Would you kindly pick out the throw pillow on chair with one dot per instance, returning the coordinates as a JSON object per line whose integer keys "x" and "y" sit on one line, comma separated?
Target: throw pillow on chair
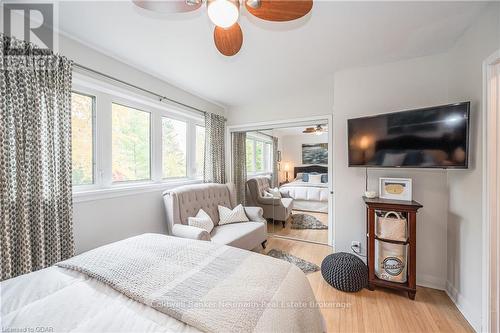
{"x": 201, "y": 220}
{"x": 237, "y": 214}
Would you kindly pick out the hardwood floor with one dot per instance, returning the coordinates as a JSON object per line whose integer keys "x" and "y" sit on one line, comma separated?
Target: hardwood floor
{"x": 315, "y": 235}
{"x": 381, "y": 310}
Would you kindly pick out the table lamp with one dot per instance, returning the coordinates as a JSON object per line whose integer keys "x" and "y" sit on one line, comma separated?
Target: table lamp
{"x": 286, "y": 167}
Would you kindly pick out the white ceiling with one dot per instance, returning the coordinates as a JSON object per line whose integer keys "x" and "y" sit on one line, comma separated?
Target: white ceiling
{"x": 276, "y": 58}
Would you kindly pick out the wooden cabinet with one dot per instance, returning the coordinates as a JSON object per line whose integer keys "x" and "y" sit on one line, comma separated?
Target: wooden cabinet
{"x": 409, "y": 210}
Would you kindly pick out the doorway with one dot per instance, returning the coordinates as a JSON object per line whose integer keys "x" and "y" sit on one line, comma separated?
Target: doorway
{"x": 491, "y": 186}
{"x": 288, "y": 174}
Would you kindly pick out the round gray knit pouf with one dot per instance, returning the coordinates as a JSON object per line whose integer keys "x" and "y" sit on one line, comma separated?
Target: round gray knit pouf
{"x": 345, "y": 271}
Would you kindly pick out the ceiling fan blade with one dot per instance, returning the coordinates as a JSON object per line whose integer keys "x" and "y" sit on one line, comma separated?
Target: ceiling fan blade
{"x": 228, "y": 41}
{"x": 169, "y": 6}
{"x": 280, "y": 10}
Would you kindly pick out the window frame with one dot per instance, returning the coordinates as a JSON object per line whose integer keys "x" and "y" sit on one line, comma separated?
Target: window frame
{"x": 266, "y": 164}
{"x": 251, "y": 172}
{"x": 83, "y": 187}
{"x": 268, "y": 156}
{"x": 193, "y": 150}
{"x": 105, "y": 94}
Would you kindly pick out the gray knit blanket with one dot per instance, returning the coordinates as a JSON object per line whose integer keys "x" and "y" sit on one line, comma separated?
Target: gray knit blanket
{"x": 213, "y": 288}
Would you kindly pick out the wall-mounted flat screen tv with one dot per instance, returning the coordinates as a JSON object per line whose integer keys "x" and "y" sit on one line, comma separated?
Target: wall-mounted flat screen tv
{"x": 435, "y": 137}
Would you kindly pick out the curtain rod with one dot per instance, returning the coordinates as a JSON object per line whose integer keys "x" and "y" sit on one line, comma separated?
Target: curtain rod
{"x": 161, "y": 98}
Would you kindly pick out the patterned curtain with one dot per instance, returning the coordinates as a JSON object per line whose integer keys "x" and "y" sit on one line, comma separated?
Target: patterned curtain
{"x": 35, "y": 160}
{"x": 275, "y": 180}
{"x": 214, "y": 170}
{"x": 239, "y": 154}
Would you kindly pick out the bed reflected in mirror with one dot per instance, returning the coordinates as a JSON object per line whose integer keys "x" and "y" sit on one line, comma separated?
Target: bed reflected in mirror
{"x": 309, "y": 192}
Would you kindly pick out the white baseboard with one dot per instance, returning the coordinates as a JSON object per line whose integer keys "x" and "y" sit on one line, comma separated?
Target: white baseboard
{"x": 430, "y": 281}
{"x": 463, "y": 306}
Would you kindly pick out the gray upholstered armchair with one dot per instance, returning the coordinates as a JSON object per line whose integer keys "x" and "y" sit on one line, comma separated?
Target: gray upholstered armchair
{"x": 274, "y": 208}
{"x": 185, "y": 201}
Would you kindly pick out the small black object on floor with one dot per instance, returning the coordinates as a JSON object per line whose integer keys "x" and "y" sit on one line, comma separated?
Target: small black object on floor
{"x": 345, "y": 271}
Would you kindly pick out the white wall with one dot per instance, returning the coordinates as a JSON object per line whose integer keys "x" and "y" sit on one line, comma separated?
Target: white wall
{"x": 103, "y": 221}
{"x": 99, "y": 222}
{"x": 465, "y": 187}
{"x": 313, "y": 100}
{"x": 364, "y": 91}
{"x": 379, "y": 89}
{"x": 89, "y": 57}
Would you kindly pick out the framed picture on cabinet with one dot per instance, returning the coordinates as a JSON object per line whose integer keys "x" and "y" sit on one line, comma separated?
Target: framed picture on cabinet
{"x": 395, "y": 189}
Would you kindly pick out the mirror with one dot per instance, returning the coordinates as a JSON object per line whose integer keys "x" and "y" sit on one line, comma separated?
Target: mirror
{"x": 285, "y": 172}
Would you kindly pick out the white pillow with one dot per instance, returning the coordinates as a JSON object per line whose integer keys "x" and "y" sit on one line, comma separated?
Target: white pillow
{"x": 275, "y": 192}
{"x": 315, "y": 179}
{"x": 236, "y": 215}
{"x": 267, "y": 195}
{"x": 201, "y": 220}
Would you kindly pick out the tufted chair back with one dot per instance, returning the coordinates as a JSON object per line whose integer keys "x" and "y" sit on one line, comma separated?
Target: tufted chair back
{"x": 185, "y": 201}
{"x": 256, "y": 187}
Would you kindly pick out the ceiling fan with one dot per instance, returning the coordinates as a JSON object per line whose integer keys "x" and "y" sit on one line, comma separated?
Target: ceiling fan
{"x": 228, "y": 36}
{"x": 318, "y": 130}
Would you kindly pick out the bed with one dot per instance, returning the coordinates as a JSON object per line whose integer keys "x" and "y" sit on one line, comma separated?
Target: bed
{"x": 307, "y": 196}
{"x": 158, "y": 283}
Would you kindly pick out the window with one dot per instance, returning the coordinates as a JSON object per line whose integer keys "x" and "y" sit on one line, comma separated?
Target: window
{"x": 82, "y": 137}
{"x": 268, "y": 156}
{"x": 258, "y": 156}
{"x": 250, "y": 152}
{"x": 174, "y": 148}
{"x": 130, "y": 144}
{"x": 125, "y": 144}
{"x": 200, "y": 151}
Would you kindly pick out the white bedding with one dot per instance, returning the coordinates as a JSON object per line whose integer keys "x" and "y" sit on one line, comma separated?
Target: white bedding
{"x": 190, "y": 280}
{"x": 58, "y": 299}
{"x": 68, "y": 301}
{"x": 307, "y": 196}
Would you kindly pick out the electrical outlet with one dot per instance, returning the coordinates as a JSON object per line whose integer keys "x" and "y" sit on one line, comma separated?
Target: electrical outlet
{"x": 356, "y": 246}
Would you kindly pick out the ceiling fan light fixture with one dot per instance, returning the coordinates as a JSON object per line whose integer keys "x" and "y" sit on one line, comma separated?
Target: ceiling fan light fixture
{"x": 318, "y": 130}
{"x": 253, "y": 3}
{"x": 223, "y": 13}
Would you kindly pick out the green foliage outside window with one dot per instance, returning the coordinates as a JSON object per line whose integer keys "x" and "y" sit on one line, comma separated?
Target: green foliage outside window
{"x": 200, "y": 150}
{"x": 250, "y": 155}
{"x": 130, "y": 144}
{"x": 174, "y": 148}
{"x": 82, "y": 138}
{"x": 259, "y": 156}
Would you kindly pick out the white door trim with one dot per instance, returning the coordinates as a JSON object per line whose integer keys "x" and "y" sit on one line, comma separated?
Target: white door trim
{"x": 491, "y": 196}
{"x": 293, "y": 122}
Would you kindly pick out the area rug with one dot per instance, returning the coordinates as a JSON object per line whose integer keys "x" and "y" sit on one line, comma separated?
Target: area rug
{"x": 304, "y": 265}
{"x": 306, "y": 221}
